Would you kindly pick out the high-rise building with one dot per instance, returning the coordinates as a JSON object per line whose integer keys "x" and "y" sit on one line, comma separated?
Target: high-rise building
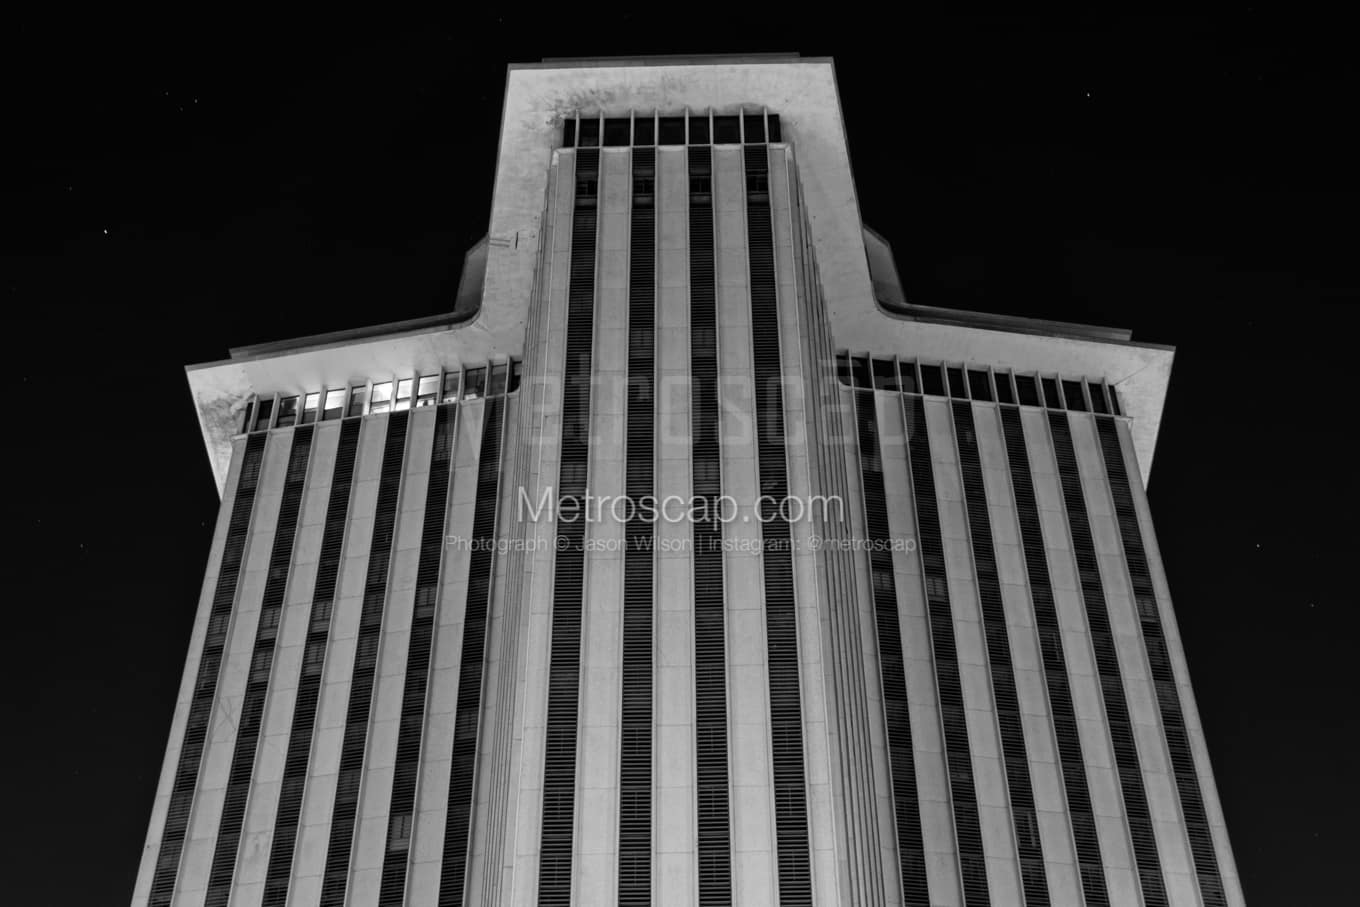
{"x": 899, "y": 633}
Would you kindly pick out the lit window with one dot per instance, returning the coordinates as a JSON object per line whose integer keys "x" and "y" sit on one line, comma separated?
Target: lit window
{"x": 452, "y": 380}
{"x": 476, "y": 384}
{"x": 428, "y": 390}
{"x": 381, "y": 399}
{"x": 310, "y": 404}
{"x": 335, "y": 404}
{"x": 403, "y": 401}
{"x": 936, "y": 587}
{"x": 259, "y": 665}
{"x": 288, "y": 408}
{"x": 262, "y": 413}
{"x": 357, "y": 397}
{"x": 497, "y": 386}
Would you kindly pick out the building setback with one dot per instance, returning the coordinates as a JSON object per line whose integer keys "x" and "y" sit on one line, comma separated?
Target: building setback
{"x": 957, "y": 681}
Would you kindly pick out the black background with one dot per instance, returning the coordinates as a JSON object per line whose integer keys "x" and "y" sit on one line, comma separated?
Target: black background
{"x": 174, "y": 188}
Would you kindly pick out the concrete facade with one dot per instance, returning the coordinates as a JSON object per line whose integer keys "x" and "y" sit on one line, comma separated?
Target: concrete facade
{"x": 893, "y": 771}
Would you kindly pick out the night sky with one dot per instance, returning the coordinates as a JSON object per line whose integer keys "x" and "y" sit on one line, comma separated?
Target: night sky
{"x": 173, "y": 189}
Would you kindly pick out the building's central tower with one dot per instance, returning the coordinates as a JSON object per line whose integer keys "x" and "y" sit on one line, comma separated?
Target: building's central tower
{"x": 685, "y": 563}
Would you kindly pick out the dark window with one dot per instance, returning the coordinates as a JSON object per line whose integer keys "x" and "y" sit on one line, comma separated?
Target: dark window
{"x": 956, "y": 385}
{"x": 590, "y": 133}
{"x": 726, "y": 131}
{"x": 980, "y": 385}
{"x": 698, "y": 129}
{"x": 1114, "y": 402}
{"x": 263, "y": 411}
{"x": 859, "y": 368}
{"x": 288, "y": 410}
{"x": 569, "y": 133}
{"x": 910, "y": 383}
{"x": 247, "y": 416}
{"x": 932, "y": 379}
{"x": 755, "y": 127}
{"x": 885, "y": 375}
{"x": 644, "y": 131}
{"x": 617, "y": 132}
{"x": 399, "y": 832}
{"x": 1098, "y": 402}
{"x": 1076, "y": 400}
{"x": 313, "y": 657}
{"x": 772, "y": 121}
{"x": 843, "y": 368}
{"x": 1004, "y": 394}
{"x": 476, "y": 384}
{"x": 672, "y": 131}
{"x": 1029, "y": 390}
{"x": 497, "y": 386}
{"x": 515, "y": 366}
{"x": 452, "y": 379}
{"x": 1051, "y": 398}
{"x": 357, "y": 396}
